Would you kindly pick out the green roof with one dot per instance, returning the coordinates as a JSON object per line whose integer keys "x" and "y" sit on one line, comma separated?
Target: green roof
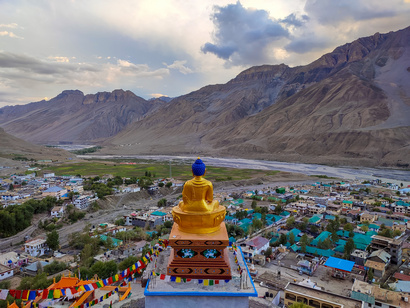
{"x": 116, "y": 242}
{"x": 364, "y": 297}
{"x": 315, "y": 219}
{"x": 347, "y": 202}
{"x": 158, "y": 213}
{"x": 321, "y": 237}
{"x": 294, "y": 231}
{"x": 320, "y": 252}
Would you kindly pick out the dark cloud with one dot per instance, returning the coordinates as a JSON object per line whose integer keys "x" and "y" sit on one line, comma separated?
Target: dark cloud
{"x": 25, "y": 63}
{"x": 242, "y": 35}
{"x": 307, "y": 43}
{"x": 333, "y": 12}
{"x": 293, "y": 20}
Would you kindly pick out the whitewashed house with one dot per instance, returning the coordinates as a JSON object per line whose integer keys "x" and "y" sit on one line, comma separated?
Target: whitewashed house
{"x": 36, "y": 247}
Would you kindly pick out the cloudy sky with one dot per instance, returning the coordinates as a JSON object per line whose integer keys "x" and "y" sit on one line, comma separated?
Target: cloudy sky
{"x": 170, "y": 47}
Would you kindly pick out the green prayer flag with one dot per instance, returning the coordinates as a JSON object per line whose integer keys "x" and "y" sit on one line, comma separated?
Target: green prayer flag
{"x": 50, "y": 294}
{"x": 211, "y": 282}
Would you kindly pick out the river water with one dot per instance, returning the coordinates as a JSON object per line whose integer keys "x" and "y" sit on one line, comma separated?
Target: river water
{"x": 348, "y": 173}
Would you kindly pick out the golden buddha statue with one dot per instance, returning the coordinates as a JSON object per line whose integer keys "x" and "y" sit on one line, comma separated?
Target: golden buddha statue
{"x": 198, "y": 212}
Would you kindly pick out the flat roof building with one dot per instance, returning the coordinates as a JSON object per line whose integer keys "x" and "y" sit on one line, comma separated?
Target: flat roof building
{"x": 295, "y": 293}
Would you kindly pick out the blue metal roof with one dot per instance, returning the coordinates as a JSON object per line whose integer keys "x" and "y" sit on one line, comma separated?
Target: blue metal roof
{"x": 53, "y": 189}
{"x": 339, "y": 264}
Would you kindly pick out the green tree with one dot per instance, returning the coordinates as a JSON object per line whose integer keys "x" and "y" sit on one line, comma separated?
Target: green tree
{"x": 86, "y": 255}
{"x": 290, "y": 222}
{"x": 268, "y": 252}
{"x": 334, "y": 237}
{"x": 254, "y": 204}
{"x": 104, "y": 269}
{"x": 120, "y": 222}
{"x": 109, "y": 243}
{"x": 386, "y": 233}
{"x": 54, "y": 267}
{"x": 168, "y": 184}
{"x": 53, "y": 240}
{"x": 348, "y": 227}
{"x": 126, "y": 263}
{"x": 364, "y": 228}
{"x": 370, "y": 274}
{"x": 396, "y": 233}
{"x": 292, "y": 238}
{"x": 283, "y": 239}
{"x": 314, "y": 229}
{"x": 161, "y": 184}
{"x": 278, "y": 209}
{"x": 162, "y": 202}
{"x": 256, "y": 224}
{"x": 349, "y": 247}
{"x": 304, "y": 239}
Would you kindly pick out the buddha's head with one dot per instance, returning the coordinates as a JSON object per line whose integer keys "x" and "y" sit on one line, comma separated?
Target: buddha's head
{"x": 198, "y": 168}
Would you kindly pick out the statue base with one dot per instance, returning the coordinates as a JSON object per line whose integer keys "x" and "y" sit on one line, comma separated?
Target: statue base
{"x": 199, "y": 256}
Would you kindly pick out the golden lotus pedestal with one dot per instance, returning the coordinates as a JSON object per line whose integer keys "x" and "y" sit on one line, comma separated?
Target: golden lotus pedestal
{"x": 199, "y": 256}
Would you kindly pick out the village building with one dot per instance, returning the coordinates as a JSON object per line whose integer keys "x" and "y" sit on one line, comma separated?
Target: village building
{"x": 295, "y": 293}
{"x": 57, "y": 211}
{"x": 254, "y": 246}
{"x": 36, "y": 247}
{"x": 55, "y": 191}
{"x": 391, "y": 245}
{"x": 5, "y": 272}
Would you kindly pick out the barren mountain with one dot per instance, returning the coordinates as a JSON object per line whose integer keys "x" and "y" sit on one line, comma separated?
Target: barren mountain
{"x": 75, "y": 117}
{"x": 18, "y": 149}
{"x": 350, "y": 106}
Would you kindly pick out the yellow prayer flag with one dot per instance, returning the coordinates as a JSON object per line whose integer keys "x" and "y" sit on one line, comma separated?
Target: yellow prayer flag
{"x": 206, "y": 282}
{"x": 134, "y": 267}
{"x": 57, "y": 293}
{"x": 178, "y": 279}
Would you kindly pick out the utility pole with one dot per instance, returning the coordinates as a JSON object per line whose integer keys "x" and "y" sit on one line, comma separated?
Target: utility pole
{"x": 170, "y": 172}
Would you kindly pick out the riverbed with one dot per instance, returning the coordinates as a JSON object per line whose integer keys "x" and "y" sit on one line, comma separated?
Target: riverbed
{"x": 348, "y": 173}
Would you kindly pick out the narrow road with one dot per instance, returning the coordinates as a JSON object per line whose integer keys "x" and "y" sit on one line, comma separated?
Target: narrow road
{"x": 6, "y": 244}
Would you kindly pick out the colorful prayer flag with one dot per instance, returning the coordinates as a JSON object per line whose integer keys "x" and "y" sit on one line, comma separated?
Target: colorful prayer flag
{"x": 206, "y": 282}
{"x": 44, "y": 295}
{"x": 178, "y": 279}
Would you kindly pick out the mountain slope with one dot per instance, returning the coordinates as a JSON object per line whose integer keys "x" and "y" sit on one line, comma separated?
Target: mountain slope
{"x": 350, "y": 106}
{"x": 74, "y": 117}
{"x": 13, "y": 147}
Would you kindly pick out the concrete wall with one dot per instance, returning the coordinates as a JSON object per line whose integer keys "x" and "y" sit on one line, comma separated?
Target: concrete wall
{"x": 197, "y": 301}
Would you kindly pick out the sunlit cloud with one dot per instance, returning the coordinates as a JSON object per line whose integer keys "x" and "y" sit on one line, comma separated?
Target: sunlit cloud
{"x": 180, "y": 66}
{"x": 10, "y": 34}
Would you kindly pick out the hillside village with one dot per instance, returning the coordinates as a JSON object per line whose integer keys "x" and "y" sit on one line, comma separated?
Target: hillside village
{"x": 295, "y": 229}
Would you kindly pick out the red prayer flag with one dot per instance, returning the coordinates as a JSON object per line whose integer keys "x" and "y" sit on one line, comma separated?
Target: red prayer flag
{"x": 44, "y": 295}
{"x": 216, "y": 281}
{"x": 18, "y": 294}
{"x": 162, "y": 276}
{"x": 24, "y": 296}
{"x": 95, "y": 286}
{"x": 110, "y": 280}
